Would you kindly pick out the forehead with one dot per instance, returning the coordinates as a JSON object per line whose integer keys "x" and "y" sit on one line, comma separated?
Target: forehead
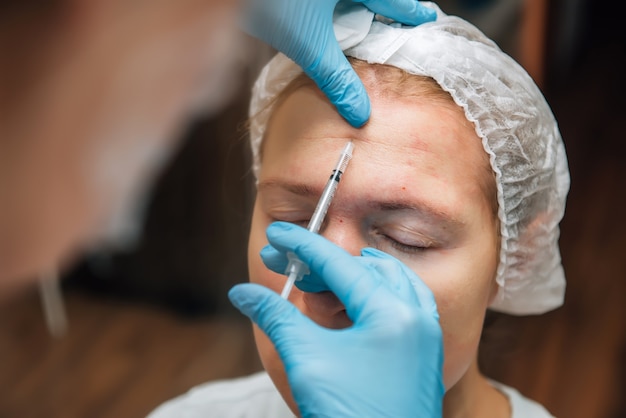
{"x": 425, "y": 129}
{"x": 415, "y": 147}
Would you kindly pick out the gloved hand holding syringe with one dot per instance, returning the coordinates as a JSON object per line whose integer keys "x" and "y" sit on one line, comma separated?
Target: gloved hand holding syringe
{"x": 296, "y": 269}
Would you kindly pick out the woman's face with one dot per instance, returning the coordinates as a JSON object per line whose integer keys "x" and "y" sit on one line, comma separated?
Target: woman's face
{"x": 412, "y": 189}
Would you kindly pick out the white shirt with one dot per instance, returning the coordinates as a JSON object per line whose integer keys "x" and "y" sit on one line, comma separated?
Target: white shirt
{"x": 521, "y": 407}
{"x": 255, "y": 396}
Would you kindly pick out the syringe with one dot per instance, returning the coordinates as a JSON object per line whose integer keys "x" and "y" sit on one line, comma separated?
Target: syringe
{"x": 296, "y": 269}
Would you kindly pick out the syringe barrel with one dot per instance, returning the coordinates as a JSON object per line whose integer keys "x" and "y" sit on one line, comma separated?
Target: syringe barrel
{"x": 329, "y": 190}
{"x": 322, "y": 206}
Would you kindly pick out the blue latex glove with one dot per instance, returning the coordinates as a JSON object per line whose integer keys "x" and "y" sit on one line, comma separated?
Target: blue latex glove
{"x": 387, "y": 364}
{"x": 303, "y": 30}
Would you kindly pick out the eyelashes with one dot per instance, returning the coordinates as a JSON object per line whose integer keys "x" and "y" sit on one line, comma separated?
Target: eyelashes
{"x": 405, "y": 248}
{"x": 388, "y": 243}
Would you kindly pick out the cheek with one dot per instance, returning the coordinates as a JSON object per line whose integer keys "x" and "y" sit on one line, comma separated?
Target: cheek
{"x": 462, "y": 329}
{"x": 257, "y": 271}
{"x": 273, "y": 366}
{"x": 260, "y": 274}
{"x": 462, "y": 288}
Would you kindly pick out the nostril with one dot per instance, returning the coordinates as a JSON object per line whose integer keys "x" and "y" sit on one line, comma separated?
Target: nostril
{"x": 323, "y": 303}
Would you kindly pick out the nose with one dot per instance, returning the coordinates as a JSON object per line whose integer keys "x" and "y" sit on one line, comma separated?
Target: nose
{"x": 345, "y": 233}
{"x": 324, "y": 307}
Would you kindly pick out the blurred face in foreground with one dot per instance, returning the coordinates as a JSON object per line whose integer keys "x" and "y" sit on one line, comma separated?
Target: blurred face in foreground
{"x": 419, "y": 187}
{"x": 93, "y": 96}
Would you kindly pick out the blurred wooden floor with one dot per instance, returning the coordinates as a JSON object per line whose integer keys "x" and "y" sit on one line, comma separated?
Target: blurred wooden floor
{"x": 117, "y": 359}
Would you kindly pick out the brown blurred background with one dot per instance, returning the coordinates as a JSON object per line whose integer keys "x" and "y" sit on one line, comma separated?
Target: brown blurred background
{"x": 149, "y": 321}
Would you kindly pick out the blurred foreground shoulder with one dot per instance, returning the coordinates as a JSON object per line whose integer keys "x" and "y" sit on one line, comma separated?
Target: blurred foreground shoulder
{"x": 244, "y": 397}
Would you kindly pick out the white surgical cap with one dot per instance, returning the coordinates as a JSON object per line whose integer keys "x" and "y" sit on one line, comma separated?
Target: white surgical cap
{"x": 511, "y": 117}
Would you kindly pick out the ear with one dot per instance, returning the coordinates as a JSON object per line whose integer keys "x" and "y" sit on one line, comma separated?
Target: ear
{"x": 494, "y": 290}
{"x": 495, "y": 287}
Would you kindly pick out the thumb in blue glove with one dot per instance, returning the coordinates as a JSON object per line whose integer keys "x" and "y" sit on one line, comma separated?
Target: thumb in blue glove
{"x": 303, "y": 30}
{"x": 388, "y": 363}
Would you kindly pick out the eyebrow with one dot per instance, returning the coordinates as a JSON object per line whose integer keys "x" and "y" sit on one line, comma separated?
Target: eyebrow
{"x": 299, "y": 189}
{"x": 423, "y": 208}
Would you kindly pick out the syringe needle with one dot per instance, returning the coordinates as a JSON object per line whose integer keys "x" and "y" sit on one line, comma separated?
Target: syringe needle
{"x": 288, "y": 285}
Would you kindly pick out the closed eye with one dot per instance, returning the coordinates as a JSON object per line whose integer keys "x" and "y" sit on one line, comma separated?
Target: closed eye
{"x": 406, "y": 248}
{"x": 398, "y": 239}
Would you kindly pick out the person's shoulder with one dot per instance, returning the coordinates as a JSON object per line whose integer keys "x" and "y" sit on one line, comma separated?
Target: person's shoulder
{"x": 521, "y": 406}
{"x": 244, "y": 397}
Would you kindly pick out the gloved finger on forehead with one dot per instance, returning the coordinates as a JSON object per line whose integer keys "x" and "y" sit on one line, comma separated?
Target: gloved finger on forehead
{"x": 336, "y": 78}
